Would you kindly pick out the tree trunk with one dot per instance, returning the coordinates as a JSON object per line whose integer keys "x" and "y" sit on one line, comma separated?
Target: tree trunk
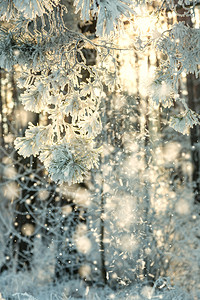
{"x": 193, "y": 88}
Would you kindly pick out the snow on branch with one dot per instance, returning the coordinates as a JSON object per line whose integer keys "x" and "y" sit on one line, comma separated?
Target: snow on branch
{"x": 181, "y": 44}
{"x": 107, "y": 12}
{"x": 50, "y": 64}
{"x": 29, "y": 9}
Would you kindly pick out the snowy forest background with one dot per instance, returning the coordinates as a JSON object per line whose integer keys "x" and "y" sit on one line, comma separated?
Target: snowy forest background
{"x": 99, "y": 150}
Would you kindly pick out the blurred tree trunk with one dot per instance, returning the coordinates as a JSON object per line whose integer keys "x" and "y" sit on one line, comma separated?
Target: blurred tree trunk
{"x": 193, "y": 88}
{"x": 68, "y": 258}
{"x": 20, "y": 243}
{"x": 1, "y": 112}
{"x": 24, "y": 221}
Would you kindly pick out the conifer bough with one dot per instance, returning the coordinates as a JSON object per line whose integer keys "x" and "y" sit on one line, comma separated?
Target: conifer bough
{"x": 48, "y": 60}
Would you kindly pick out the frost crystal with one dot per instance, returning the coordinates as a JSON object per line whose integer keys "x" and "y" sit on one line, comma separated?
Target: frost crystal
{"x": 182, "y": 46}
{"x": 108, "y": 13}
{"x": 69, "y": 163}
{"x": 183, "y": 122}
{"x": 29, "y": 8}
{"x": 35, "y": 139}
{"x": 35, "y": 98}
